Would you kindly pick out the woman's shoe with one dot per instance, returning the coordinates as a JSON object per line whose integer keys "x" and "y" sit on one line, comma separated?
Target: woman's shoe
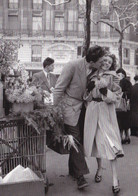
{"x": 116, "y": 189}
{"x": 98, "y": 178}
{"x": 128, "y": 141}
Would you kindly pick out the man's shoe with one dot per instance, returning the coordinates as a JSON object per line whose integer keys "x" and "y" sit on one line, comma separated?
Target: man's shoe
{"x": 82, "y": 183}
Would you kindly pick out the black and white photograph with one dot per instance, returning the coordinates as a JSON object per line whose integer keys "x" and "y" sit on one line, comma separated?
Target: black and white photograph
{"x": 68, "y": 97}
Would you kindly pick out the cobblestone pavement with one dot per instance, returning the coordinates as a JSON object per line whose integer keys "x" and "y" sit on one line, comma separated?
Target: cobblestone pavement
{"x": 63, "y": 185}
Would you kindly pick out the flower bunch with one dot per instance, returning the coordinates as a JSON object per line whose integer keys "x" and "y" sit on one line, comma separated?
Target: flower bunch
{"x": 8, "y": 54}
{"x": 101, "y": 83}
{"x": 18, "y": 88}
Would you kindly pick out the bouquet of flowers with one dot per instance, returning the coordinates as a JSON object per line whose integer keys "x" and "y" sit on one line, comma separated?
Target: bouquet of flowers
{"x": 101, "y": 83}
{"x": 8, "y": 54}
{"x": 18, "y": 88}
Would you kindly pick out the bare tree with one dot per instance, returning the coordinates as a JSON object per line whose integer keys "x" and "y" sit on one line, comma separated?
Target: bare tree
{"x": 87, "y": 27}
{"x": 124, "y": 14}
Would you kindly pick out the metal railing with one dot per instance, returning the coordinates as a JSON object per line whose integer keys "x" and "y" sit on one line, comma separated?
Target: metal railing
{"x": 62, "y": 33}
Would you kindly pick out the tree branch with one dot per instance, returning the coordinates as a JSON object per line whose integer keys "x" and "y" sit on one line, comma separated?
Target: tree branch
{"x": 102, "y": 21}
{"x": 54, "y": 4}
{"x": 130, "y": 24}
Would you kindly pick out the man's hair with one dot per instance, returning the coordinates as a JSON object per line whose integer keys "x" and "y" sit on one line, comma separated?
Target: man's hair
{"x": 120, "y": 70}
{"x": 95, "y": 53}
{"x": 48, "y": 61}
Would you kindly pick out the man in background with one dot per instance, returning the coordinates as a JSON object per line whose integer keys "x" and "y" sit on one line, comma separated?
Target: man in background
{"x": 45, "y": 79}
{"x": 134, "y": 108}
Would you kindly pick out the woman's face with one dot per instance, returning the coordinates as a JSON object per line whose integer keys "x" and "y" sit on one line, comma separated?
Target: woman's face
{"x": 106, "y": 62}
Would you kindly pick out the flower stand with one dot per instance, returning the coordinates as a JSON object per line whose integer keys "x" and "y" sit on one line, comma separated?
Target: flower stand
{"x": 22, "y": 107}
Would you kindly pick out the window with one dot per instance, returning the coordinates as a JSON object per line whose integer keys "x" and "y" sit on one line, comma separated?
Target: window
{"x": 49, "y": 19}
{"x": 13, "y": 22}
{"x": 13, "y": 4}
{"x": 36, "y": 53}
{"x": 136, "y": 56}
{"x": 59, "y": 7}
{"x": 37, "y": 23}
{"x": 72, "y": 18}
{"x": 105, "y": 30}
{"x": 80, "y": 24}
{"x": 1, "y": 21}
{"x": 82, "y": 4}
{"x": 79, "y": 50}
{"x": 37, "y": 4}
{"x": 59, "y": 23}
{"x": 105, "y": 6}
{"x": 126, "y": 59}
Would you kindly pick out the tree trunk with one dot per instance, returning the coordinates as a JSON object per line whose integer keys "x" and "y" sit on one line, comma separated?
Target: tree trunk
{"x": 87, "y": 27}
{"x": 120, "y": 50}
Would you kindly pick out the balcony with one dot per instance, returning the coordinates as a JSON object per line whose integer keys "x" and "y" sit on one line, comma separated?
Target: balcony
{"x": 62, "y": 33}
{"x": 37, "y": 6}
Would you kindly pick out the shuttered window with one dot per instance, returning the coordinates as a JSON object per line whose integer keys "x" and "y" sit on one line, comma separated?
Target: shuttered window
{"x": 13, "y": 22}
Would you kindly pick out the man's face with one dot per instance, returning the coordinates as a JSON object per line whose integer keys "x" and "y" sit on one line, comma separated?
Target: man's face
{"x": 49, "y": 68}
{"x": 96, "y": 65}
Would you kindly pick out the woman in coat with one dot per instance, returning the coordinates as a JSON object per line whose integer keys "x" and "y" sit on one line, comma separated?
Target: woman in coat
{"x": 123, "y": 113}
{"x": 101, "y": 131}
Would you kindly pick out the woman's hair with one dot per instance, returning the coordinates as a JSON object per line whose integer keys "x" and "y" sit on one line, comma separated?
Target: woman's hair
{"x": 136, "y": 78}
{"x": 114, "y": 64}
{"x": 120, "y": 70}
{"x": 94, "y": 53}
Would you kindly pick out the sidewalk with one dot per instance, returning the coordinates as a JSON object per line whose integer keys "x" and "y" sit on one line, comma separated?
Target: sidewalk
{"x": 63, "y": 185}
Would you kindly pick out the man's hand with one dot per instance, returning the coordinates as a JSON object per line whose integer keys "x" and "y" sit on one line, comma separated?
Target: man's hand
{"x": 103, "y": 91}
{"x": 90, "y": 86}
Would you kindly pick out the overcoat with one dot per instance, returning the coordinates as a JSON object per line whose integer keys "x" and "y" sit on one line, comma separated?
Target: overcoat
{"x": 101, "y": 131}
{"x": 134, "y": 106}
{"x": 41, "y": 80}
{"x": 71, "y": 86}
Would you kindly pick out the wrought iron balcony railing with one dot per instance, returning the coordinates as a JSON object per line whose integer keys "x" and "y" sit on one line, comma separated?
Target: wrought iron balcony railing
{"x": 65, "y": 33}
{"x": 13, "y": 6}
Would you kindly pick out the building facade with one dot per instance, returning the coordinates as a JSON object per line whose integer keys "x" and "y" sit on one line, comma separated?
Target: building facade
{"x": 58, "y": 31}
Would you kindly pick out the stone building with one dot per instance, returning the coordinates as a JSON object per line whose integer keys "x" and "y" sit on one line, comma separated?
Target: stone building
{"x": 58, "y": 32}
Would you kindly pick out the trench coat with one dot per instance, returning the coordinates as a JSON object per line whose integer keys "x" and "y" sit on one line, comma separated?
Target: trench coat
{"x": 101, "y": 132}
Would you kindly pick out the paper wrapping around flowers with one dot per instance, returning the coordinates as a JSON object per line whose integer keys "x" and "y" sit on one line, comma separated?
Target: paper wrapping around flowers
{"x": 48, "y": 100}
{"x": 20, "y": 174}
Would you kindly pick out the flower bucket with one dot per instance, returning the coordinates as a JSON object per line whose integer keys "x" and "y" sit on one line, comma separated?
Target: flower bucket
{"x": 22, "y": 107}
